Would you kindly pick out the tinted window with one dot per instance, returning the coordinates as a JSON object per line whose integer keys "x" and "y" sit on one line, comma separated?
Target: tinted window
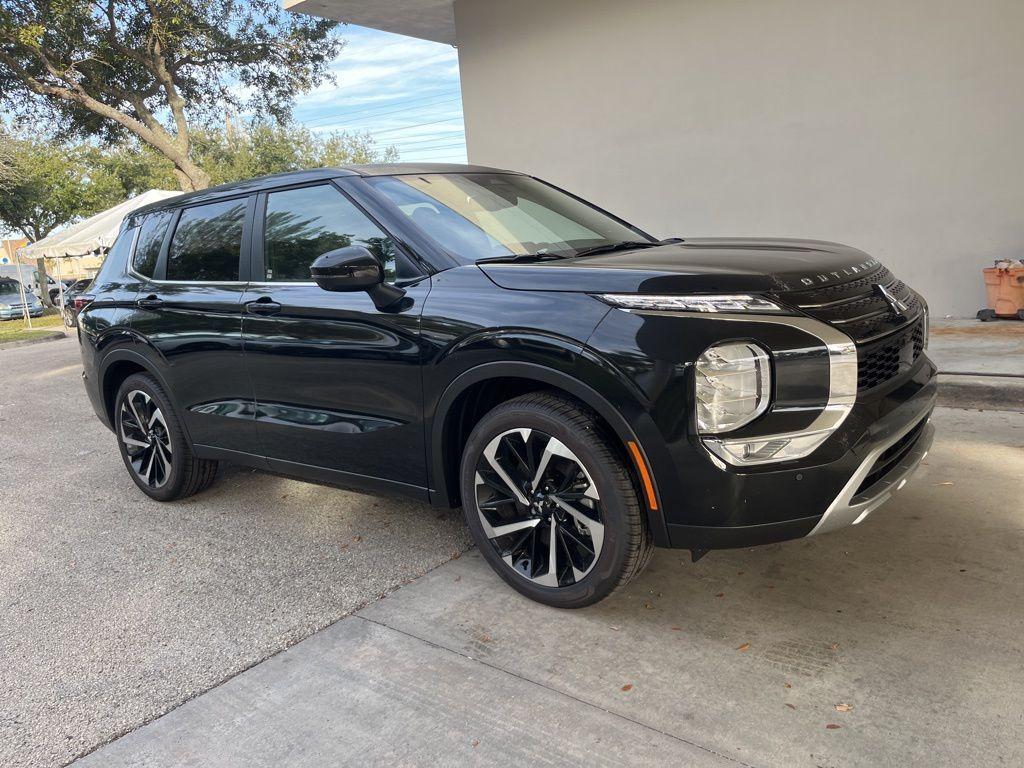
{"x": 9, "y": 287}
{"x": 151, "y": 237}
{"x": 207, "y": 243}
{"x": 302, "y": 224}
{"x": 116, "y": 261}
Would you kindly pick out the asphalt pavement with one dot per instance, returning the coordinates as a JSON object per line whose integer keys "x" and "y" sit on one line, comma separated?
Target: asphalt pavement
{"x": 115, "y": 608}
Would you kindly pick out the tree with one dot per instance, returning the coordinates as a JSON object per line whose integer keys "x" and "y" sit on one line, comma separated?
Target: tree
{"x": 241, "y": 151}
{"x": 44, "y": 185}
{"x": 156, "y": 69}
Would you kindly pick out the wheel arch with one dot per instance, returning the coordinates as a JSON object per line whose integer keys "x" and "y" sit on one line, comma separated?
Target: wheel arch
{"x": 117, "y": 366}
{"x": 456, "y": 413}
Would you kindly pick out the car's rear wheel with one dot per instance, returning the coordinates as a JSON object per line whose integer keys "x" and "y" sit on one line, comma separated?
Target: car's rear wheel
{"x": 551, "y": 504}
{"x": 153, "y": 444}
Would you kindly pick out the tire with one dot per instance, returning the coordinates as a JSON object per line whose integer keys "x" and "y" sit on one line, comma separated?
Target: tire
{"x": 986, "y": 315}
{"x": 586, "y": 494}
{"x": 157, "y": 455}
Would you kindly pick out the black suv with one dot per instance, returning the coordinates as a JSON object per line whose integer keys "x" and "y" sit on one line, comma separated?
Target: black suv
{"x": 469, "y": 336}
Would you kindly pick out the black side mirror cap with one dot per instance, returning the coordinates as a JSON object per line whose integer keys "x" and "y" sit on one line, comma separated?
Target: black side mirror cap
{"x": 354, "y": 268}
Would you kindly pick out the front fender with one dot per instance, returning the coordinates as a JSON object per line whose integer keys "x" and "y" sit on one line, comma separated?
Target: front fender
{"x": 555, "y": 362}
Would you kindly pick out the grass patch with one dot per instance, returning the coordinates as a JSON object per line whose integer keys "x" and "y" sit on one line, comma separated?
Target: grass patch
{"x": 17, "y": 330}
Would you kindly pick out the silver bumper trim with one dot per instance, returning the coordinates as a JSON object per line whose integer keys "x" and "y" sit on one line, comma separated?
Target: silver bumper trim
{"x": 850, "y": 509}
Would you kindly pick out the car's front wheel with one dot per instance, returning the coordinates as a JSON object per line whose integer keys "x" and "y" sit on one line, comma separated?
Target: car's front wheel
{"x": 550, "y": 503}
{"x": 153, "y": 444}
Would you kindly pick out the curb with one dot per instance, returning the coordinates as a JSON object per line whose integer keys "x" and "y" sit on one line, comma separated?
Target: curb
{"x": 985, "y": 393}
{"x": 37, "y": 340}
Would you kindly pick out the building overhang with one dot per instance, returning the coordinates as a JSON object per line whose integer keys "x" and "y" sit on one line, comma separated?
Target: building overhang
{"x": 425, "y": 19}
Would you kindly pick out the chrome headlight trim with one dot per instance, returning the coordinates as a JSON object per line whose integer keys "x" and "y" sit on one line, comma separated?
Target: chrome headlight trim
{"x": 842, "y": 394}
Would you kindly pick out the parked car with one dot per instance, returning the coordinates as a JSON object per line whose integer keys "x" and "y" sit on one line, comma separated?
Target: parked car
{"x": 55, "y": 289}
{"x": 75, "y": 299}
{"x": 11, "y": 305}
{"x": 469, "y": 336}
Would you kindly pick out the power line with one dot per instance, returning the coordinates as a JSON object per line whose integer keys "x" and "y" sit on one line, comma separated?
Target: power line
{"x": 439, "y": 136}
{"x": 364, "y": 114}
{"x": 415, "y": 125}
{"x": 414, "y": 145}
{"x": 432, "y": 149}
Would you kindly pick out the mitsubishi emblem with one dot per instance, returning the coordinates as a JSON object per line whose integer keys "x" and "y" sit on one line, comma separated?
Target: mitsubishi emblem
{"x": 898, "y": 307}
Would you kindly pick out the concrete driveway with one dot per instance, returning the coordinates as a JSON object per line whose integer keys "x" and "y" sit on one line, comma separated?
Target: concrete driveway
{"x": 896, "y": 642}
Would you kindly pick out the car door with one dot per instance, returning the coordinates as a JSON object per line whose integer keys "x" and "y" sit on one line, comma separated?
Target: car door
{"x": 337, "y": 382}
{"x": 188, "y": 309}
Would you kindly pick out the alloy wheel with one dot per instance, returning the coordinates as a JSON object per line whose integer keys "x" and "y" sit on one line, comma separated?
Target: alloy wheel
{"x": 539, "y": 507}
{"x": 143, "y": 431}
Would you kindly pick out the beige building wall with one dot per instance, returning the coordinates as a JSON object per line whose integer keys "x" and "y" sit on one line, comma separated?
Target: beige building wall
{"x": 896, "y": 126}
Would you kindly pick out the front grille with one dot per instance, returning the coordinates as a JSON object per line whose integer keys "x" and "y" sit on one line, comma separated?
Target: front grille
{"x": 891, "y": 457}
{"x": 889, "y": 357}
{"x": 887, "y": 343}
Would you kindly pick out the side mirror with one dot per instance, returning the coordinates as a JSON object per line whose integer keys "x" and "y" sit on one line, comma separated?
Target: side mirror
{"x": 354, "y": 268}
{"x": 347, "y": 269}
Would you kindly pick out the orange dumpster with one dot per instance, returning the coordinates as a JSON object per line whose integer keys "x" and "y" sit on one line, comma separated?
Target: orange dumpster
{"x": 1004, "y": 285}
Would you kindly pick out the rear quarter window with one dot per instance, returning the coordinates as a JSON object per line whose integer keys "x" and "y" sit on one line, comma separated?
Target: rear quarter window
{"x": 151, "y": 237}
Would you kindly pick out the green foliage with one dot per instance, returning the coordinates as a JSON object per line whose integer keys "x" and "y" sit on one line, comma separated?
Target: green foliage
{"x": 156, "y": 68}
{"x": 45, "y": 185}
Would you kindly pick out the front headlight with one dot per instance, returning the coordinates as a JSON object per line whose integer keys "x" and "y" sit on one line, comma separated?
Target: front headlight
{"x": 697, "y": 303}
{"x": 733, "y": 386}
{"x": 5, "y": 306}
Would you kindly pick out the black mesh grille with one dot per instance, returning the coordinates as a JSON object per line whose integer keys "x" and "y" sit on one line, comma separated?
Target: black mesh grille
{"x": 887, "y": 358}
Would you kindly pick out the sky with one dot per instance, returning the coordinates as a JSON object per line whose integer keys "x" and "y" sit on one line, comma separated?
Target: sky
{"x": 403, "y": 91}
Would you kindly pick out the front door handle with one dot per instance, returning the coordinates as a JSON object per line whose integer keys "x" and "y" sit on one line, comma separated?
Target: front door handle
{"x": 150, "y": 302}
{"x": 262, "y": 306}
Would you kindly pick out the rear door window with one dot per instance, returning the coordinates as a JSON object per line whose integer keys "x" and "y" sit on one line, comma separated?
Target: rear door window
{"x": 207, "y": 243}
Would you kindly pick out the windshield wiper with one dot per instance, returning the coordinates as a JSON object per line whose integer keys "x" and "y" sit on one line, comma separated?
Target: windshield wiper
{"x": 624, "y": 245}
{"x": 512, "y": 258}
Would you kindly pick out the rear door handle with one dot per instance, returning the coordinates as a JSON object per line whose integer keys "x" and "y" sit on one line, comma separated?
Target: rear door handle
{"x": 262, "y": 306}
{"x": 150, "y": 302}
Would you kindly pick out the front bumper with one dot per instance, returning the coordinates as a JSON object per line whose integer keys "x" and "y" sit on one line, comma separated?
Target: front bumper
{"x": 18, "y": 313}
{"x": 793, "y": 503}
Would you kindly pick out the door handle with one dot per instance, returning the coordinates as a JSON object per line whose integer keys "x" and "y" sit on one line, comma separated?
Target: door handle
{"x": 262, "y": 306}
{"x": 150, "y": 302}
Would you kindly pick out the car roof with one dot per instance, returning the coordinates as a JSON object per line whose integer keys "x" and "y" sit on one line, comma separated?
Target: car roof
{"x": 315, "y": 174}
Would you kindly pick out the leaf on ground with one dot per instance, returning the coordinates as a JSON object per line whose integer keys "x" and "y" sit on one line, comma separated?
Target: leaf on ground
{"x": 485, "y": 638}
{"x": 788, "y": 685}
{"x": 475, "y": 743}
{"x": 948, "y": 482}
{"x": 744, "y": 647}
{"x": 458, "y": 578}
{"x": 720, "y": 594}
{"x": 626, "y": 688}
{"x": 613, "y": 627}
{"x": 791, "y": 706}
{"x": 677, "y": 629}
{"x": 357, "y": 539}
{"x": 833, "y": 726}
{"x": 844, "y": 707}
{"x": 834, "y": 647}
{"x": 648, "y": 605}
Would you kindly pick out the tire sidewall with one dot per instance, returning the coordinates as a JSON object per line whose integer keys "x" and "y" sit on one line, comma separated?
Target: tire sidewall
{"x": 179, "y": 451}
{"x": 604, "y": 576}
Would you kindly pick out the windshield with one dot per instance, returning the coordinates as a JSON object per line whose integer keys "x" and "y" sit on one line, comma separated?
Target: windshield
{"x": 485, "y": 215}
{"x": 9, "y": 287}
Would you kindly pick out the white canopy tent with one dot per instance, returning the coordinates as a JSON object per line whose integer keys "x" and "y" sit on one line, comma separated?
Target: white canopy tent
{"x": 93, "y": 235}
{"x": 97, "y": 233}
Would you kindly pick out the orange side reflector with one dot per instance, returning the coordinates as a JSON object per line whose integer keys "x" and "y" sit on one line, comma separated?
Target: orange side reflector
{"x": 645, "y": 476}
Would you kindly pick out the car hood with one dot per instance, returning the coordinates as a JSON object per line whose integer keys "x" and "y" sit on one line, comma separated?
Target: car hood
{"x": 706, "y": 265}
